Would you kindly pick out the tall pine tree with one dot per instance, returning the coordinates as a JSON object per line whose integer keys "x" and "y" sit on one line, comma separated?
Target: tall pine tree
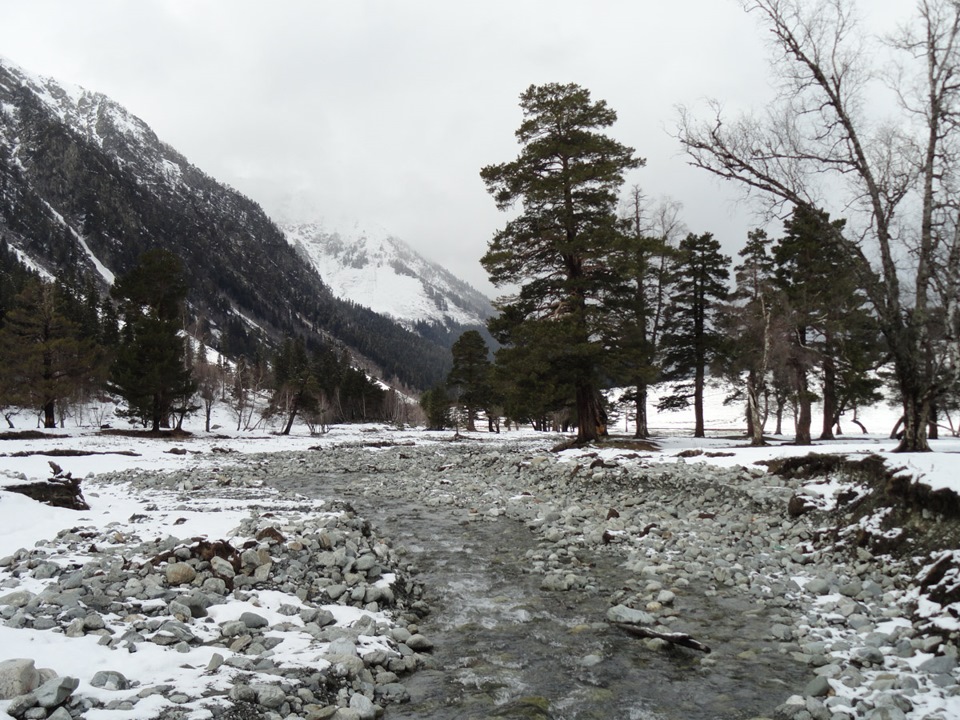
{"x": 566, "y": 179}
{"x": 692, "y": 339}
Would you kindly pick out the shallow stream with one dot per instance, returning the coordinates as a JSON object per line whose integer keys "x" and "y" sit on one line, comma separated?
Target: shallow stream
{"x": 504, "y": 648}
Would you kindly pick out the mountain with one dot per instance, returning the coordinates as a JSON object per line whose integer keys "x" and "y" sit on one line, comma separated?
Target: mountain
{"x": 380, "y": 271}
{"x": 86, "y": 187}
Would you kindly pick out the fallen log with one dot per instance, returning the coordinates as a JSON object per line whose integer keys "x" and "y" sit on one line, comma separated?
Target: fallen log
{"x": 674, "y": 638}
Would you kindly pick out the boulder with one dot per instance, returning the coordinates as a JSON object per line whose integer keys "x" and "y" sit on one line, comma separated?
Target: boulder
{"x": 18, "y": 676}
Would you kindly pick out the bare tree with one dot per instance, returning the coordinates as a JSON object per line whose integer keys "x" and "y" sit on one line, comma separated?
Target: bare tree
{"x": 897, "y": 181}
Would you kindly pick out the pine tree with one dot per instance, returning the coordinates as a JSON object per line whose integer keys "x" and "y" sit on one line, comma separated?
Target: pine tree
{"x": 692, "y": 339}
{"x": 470, "y": 375}
{"x": 295, "y": 386}
{"x": 566, "y": 178}
{"x": 753, "y": 318}
{"x": 47, "y": 359}
{"x": 149, "y": 369}
{"x": 636, "y": 301}
{"x": 829, "y": 326}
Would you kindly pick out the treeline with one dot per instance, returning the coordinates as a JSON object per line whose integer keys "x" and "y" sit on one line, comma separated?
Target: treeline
{"x": 67, "y": 350}
{"x": 614, "y": 294}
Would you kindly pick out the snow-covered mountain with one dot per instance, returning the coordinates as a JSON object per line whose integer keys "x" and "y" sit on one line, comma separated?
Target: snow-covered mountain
{"x": 369, "y": 266}
{"x": 86, "y": 187}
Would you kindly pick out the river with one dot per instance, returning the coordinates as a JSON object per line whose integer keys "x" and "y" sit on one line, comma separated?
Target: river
{"x": 504, "y": 648}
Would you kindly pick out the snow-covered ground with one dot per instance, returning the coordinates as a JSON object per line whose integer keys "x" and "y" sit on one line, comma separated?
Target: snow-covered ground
{"x": 117, "y": 508}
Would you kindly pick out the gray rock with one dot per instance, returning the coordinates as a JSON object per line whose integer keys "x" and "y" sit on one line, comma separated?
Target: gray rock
{"x": 941, "y": 664}
{"x": 54, "y": 692}
{"x": 817, "y": 586}
{"x": 20, "y": 704}
{"x": 253, "y": 621}
{"x": 63, "y": 714}
{"x": 624, "y": 614}
{"x": 18, "y": 676}
{"x": 269, "y": 696}
{"x": 109, "y": 680}
{"x": 818, "y": 687}
{"x": 419, "y": 643}
{"x": 364, "y": 706}
{"x": 222, "y": 567}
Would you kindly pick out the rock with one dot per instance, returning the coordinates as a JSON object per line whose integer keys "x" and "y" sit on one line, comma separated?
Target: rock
{"x": 365, "y": 708}
{"x": 818, "y": 687}
{"x": 817, "y": 586}
{"x": 54, "y": 692}
{"x": 109, "y": 680}
{"x": 253, "y": 621}
{"x": 60, "y": 714}
{"x": 419, "y": 643}
{"x": 20, "y": 704}
{"x": 179, "y": 573}
{"x": 269, "y": 696}
{"x": 939, "y": 665}
{"x": 624, "y": 614}
{"x": 222, "y": 567}
{"x": 17, "y": 677}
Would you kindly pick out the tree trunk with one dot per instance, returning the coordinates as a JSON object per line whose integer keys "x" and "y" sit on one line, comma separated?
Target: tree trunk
{"x": 754, "y": 424}
{"x": 591, "y": 417}
{"x": 471, "y": 420}
{"x": 933, "y": 430}
{"x": 698, "y": 430}
{"x": 829, "y": 397}
{"x": 49, "y": 414}
{"x": 916, "y": 412}
{"x": 643, "y": 431}
{"x": 804, "y": 415}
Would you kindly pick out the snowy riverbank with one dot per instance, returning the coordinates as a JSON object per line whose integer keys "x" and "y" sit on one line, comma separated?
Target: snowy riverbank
{"x": 708, "y": 523}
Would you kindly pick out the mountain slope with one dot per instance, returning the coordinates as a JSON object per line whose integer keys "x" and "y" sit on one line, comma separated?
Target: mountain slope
{"x": 383, "y": 273}
{"x": 86, "y": 187}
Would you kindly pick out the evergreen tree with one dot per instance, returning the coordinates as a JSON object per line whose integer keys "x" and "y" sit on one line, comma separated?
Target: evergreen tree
{"x": 636, "y": 302}
{"x": 753, "y": 317}
{"x": 149, "y": 369}
{"x": 47, "y": 359}
{"x": 692, "y": 339}
{"x": 435, "y": 403}
{"x": 295, "y": 386}
{"x": 566, "y": 179}
{"x": 470, "y": 375}
{"x": 829, "y": 326}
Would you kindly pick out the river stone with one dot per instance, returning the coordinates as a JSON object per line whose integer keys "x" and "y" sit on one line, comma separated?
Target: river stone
{"x": 17, "y": 599}
{"x": 364, "y": 706}
{"x": 419, "y": 643}
{"x": 19, "y": 705}
{"x": 942, "y": 664}
{"x": 55, "y": 691}
{"x": 818, "y": 687}
{"x": 180, "y": 573}
{"x": 109, "y": 680}
{"x": 61, "y": 713}
{"x": 624, "y": 614}
{"x": 17, "y": 677}
{"x": 817, "y": 586}
{"x": 269, "y": 696}
{"x": 253, "y": 621}
{"x": 222, "y": 567}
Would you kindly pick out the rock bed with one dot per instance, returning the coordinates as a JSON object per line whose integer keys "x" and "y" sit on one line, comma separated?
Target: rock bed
{"x": 692, "y": 527}
{"x": 677, "y": 529}
{"x": 130, "y": 591}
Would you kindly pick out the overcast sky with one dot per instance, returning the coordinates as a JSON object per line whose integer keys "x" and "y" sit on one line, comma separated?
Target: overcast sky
{"x": 384, "y": 111}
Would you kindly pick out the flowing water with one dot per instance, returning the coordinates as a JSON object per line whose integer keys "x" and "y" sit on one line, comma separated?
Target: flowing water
{"x": 504, "y": 648}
